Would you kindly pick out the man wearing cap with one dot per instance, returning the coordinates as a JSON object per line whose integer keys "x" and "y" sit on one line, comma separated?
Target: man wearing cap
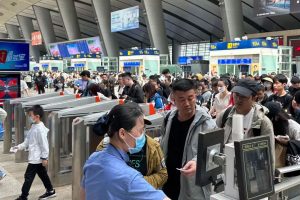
{"x": 255, "y": 122}
{"x": 268, "y": 83}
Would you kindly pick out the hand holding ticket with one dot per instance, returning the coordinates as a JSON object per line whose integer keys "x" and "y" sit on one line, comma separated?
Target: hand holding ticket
{"x": 13, "y": 149}
{"x": 181, "y": 169}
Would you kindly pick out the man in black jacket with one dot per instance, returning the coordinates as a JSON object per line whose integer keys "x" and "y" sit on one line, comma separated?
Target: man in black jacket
{"x": 132, "y": 91}
{"x": 41, "y": 82}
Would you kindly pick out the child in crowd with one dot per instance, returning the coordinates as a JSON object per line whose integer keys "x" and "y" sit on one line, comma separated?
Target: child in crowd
{"x": 37, "y": 143}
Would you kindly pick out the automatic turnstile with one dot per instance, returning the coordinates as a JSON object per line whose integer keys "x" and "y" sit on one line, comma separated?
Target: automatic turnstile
{"x": 9, "y": 121}
{"x": 83, "y": 136}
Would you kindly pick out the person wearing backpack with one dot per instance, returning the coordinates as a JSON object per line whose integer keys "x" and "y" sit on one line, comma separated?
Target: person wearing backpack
{"x": 40, "y": 82}
{"x": 255, "y": 122}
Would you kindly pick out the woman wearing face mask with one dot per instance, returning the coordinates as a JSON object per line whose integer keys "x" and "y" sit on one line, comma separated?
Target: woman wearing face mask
{"x": 107, "y": 174}
{"x": 268, "y": 83}
{"x": 222, "y": 99}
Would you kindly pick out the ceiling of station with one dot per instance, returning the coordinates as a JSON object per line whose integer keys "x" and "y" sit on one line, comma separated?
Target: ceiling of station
{"x": 185, "y": 20}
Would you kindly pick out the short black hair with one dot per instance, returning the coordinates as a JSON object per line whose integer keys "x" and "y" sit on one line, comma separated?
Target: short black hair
{"x": 280, "y": 78}
{"x": 127, "y": 74}
{"x": 155, "y": 78}
{"x": 123, "y": 116}
{"x": 183, "y": 85}
{"x": 297, "y": 97}
{"x": 85, "y": 73}
{"x": 260, "y": 87}
{"x": 295, "y": 80}
{"x": 165, "y": 71}
{"x": 204, "y": 81}
{"x": 37, "y": 110}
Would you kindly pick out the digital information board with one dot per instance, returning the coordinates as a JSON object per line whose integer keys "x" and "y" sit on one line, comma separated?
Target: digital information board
{"x": 14, "y": 56}
{"x": 125, "y": 19}
{"x": 265, "y": 8}
{"x": 83, "y": 46}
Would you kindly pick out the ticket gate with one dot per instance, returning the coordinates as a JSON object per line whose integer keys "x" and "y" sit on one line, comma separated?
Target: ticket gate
{"x": 9, "y": 122}
{"x": 60, "y": 123}
{"x": 83, "y": 136}
{"x": 21, "y": 120}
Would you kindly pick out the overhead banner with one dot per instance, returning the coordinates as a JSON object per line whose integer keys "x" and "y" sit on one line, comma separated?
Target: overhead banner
{"x": 125, "y": 19}
{"x": 36, "y": 38}
{"x": 244, "y": 44}
{"x": 265, "y": 8}
{"x": 138, "y": 52}
{"x": 14, "y": 56}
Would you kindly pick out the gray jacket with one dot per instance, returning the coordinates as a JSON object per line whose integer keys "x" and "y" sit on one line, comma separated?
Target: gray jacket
{"x": 202, "y": 122}
{"x": 259, "y": 121}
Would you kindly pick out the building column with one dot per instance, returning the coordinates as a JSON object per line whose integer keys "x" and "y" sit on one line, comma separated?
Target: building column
{"x": 13, "y": 31}
{"x": 3, "y": 35}
{"x": 27, "y": 28}
{"x": 102, "y": 10}
{"x": 176, "y": 48}
{"x": 148, "y": 28}
{"x": 157, "y": 25}
{"x": 68, "y": 13}
{"x": 45, "y": 23}
{"x": 232, "y": 18}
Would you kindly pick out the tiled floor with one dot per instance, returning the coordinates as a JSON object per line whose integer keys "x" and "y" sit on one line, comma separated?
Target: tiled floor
{"x": 10, "y": 186}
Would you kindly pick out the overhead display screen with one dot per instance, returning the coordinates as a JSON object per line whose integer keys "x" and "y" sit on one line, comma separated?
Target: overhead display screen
{"x": 83, "y": 46}
{"x": 264, "y": 8}
{"x": 54, "y": 50}
{"x": 125, "y": 19}
{"x": 14, "y": 56}
{"x": 72, "y": 48}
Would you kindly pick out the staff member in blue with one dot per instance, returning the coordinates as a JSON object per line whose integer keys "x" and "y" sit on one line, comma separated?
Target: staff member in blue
{"x": 106, "y": 174}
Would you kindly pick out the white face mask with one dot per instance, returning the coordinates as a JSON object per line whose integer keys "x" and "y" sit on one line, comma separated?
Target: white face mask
{"x": 31, "y": 121}
{"x": 221, "y": 89}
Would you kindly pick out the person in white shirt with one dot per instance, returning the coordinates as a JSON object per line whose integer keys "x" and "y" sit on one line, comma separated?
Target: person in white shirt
{"x": 222, "y": 99}
{"x": 37, "y": 144}
{"x": 24, "y": 88}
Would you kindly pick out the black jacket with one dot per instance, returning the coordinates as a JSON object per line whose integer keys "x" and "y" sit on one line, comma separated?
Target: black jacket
{"x": 134, "y": 93}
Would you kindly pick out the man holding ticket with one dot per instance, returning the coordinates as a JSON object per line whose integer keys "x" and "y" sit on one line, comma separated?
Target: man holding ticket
{"x": 37, "y": 144}
{"x": 180, "y": 141}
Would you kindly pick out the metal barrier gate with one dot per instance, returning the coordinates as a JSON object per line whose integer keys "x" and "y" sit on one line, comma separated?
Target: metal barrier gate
{"x": 21, "y": 120}
{"x": 82, "y": 135}
{"x": 9, "y": 123}
{"x": 60, "y": 123}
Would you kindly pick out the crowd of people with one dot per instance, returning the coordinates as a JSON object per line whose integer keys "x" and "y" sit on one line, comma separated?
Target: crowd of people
{"x": 128, "y": 164}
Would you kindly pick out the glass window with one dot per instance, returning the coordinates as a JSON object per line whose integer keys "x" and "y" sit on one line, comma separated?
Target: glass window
{"x": 222, "y": 69}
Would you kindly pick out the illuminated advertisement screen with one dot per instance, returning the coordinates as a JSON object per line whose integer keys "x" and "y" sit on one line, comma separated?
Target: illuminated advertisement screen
{"x": 54, "y": 50}
{"x": 267, "y": 7}
{"x": 125, "y": 19}
{"x": 14, "y": 56}
{"x": 94, "y": 45}
{"x": 83, "y": 46}
{"x": 264, "y": 8}
{"x": 72, "y": 48}
{"x": 9, "y": 86}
